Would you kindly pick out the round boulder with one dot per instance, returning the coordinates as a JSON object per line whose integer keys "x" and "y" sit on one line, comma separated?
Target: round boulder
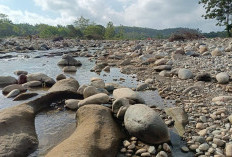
{"x": 89, "y": 91}
{"x": 69, "y": 69}
{"x": 7, "y": 80}
{"x": 72, "y": 104}
{"x": 144, "y": 123}
{"x": 185, "y": 74}
{"x": 68, "y": 60}
{"x": 222, "y": 78}
{"x": 22, "y": 79}
{"x": 9, "y": 88}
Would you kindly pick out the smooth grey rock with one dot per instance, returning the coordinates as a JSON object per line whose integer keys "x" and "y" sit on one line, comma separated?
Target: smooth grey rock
{"x": 119, "y": 103}
{"x": 144, "y": 123}
{"x": 222, "y": 78}
{"x": 9, "y": 88}
{"x": 89, "y": 91}
{"x": 142, "y": 86}
{"x": 13, "y": 93}
{"x": 100, "y": 98}
{"x": 69, "y": 84}
{"x": 60, "y": 77}
{"x": 41, "y": 77}
{"x": 127, "y": 93}
{"x": 69, "y": 69}
{"x": 19, "y": 72}
{"x": 68, "y": 60}
{"x": 72, "y": 104}
{"x": 185, "y": 74}
{"x": 32, "y": 84}
{"x": 7, "y": 80}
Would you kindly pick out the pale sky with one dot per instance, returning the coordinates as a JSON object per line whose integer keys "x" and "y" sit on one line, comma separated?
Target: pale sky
{"x": 157, "y": 14}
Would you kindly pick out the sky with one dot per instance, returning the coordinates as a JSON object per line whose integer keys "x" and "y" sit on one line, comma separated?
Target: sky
{"x": 157, "y": 14}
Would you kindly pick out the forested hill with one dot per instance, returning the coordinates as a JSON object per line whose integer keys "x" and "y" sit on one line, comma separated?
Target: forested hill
{"x": 141, "y": 33}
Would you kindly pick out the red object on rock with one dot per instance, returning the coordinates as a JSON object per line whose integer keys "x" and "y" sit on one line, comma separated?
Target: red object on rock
{"x": 22, "y": 79}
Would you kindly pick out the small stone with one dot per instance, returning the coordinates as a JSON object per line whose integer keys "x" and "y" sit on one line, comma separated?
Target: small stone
{"x": 203, "y": 119}
{"x": 166, "y": 147}
{"x": 146, "y": 154}
{"x": 185, "y": 149}
{"x": 200, "y": 126}
{"x": 222, "y": 78}
{"x": 123, "y": 150}
{"x": 152, "y": 150}
{"x": 126, "y": 143}
{"x": 140, "y": 151}
{"x": 162, "y": 154}
{"x": 203, "y": 147}
{"x": 228, "y": 150}
{"x": 218, "y": 142}
{"x": 132, "y": 146}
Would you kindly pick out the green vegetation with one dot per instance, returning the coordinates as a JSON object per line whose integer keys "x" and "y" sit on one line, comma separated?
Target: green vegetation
{"x": 85, "y": 29}
{"x": 221, "y": 10}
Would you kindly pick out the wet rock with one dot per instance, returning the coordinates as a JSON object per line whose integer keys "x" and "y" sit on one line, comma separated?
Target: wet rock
{"x": 91, "y": 127}
{"x": 180, "y": 117}
{"x": 142, "y": 86}
{"x": 203, "y": 77}
{"x": 60, "y": 77}
{"x": 100, "y": 98}
{"x": 19, "y": 72}
{"x": 24, "y": 96}
{"x": 107, "y": 69}
{"x": 222, "y": 78}
{"x": 127, "y": 93}
{"x": 185, "y": 74}
{"x": 7, "y": 80}
{"x": 119, "y": 103}
{"x": 32, "y": 84}
{"x": 69, "y": 84}
{"x": 184, "y": 149}
{"x": 13, "y": 93}
{"x": 89, "y": 91}
{"x": 9, "y": 88}
{"x": 144, "y": 123}
{"x": 72, "y": 104}
{"x": 69, "y": 69}
{"x": 68, "y": 60}
{"x": 41, "y": 77}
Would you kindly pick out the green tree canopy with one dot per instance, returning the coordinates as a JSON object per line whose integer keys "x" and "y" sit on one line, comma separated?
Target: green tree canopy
{"x": 110, "y": 31}
{"x": 221, "y": 10}
{"x": 82, "y": 23}
{"x": 94, "y": 32}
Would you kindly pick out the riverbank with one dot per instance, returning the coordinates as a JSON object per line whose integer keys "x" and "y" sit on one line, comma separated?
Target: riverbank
{"x": 186, "y": 72}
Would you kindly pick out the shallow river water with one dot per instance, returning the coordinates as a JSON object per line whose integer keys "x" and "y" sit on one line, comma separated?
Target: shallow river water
{"x": 53, "y": 126}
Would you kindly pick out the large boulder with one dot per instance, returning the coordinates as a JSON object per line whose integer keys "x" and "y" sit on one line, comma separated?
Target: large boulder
{"x": 100, "y": 98}
{"x": 97, "y": 135}
{"x": 69, "y": 84}
{"x": 185, "y": 74}
{"x": 127, "y": 93}
{"x": 9, "y": 88}
{"x": 17, "y": 134}
{"x": 42, "y": 78}
{"x": 144, "y": 123}
{"x": 24, "y": 96}
{"x": 222, "y": 78}
{"x": 68, "y": 60}
{"x": 7, "y": 80}
{"x": 13, "y": 93}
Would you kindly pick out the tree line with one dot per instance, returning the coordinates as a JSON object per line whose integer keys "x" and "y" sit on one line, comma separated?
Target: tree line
{"x": 83, "y": 28}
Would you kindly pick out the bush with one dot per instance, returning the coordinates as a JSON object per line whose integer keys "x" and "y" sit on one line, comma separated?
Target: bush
{"x": 187, "y": 35}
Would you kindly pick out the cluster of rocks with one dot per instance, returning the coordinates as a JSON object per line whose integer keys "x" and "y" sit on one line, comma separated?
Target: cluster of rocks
{"x": 192, "y": 73}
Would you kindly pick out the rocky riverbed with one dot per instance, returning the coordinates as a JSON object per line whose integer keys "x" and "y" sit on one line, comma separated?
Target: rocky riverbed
{"x": 194, "y": 75}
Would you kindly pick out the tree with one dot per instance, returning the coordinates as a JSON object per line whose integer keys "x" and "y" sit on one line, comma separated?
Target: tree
{"x": 110, "y": 31}
{"x": 94, "y": 32}
{"x": 73, "y": 32}
{"x": 221, "y": 10}
{"x": 4, "y": 18}
{"x": 82, "y": 23}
